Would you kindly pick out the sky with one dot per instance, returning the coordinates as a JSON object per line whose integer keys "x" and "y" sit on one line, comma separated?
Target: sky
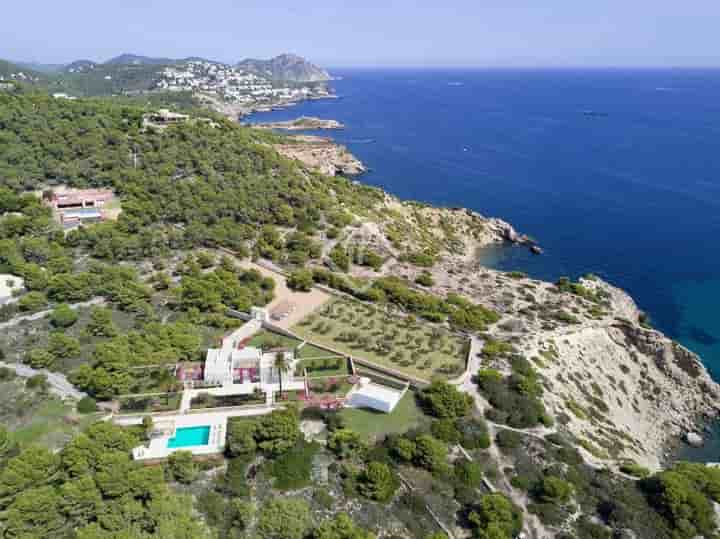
{"x": 342, "y": 33}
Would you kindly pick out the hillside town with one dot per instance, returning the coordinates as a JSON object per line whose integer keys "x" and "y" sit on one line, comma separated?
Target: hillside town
{"x": 234, "y": 85}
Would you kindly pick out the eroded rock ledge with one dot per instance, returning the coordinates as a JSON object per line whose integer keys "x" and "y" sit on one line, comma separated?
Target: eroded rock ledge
{"x": 321, "y": 155}
{"x": 302, "y": 123}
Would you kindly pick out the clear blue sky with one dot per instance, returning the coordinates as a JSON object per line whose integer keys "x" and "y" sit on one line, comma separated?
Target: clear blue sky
{"x": 371, "y": 32}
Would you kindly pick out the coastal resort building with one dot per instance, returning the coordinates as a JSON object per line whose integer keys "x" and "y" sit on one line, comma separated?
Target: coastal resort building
{"x": 368, "y": 394}
{"x": 75, "y": 207}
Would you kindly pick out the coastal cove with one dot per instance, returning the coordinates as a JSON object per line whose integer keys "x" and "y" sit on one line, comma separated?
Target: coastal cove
{"x": 613, "y": 172}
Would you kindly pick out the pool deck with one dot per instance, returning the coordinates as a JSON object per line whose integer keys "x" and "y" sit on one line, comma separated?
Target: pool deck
{"x": 157, "y": 447}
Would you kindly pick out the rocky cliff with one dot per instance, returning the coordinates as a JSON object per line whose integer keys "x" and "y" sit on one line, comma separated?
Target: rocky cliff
{"x": 286, "y": 67}
{"x": 321, "y": 155}
{"x": 620, "y": 390}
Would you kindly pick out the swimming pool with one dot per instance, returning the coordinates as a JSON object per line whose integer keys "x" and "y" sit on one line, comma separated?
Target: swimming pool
{"x": 190, "y": 436}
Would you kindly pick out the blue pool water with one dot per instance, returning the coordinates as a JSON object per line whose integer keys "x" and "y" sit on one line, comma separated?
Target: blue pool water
{"x": 189, "y": 436}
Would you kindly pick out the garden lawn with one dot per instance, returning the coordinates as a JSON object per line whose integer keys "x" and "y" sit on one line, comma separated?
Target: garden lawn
{"x": 310, "y": 351}
{"x": 372, "y": 424}
{"x": 321, "y": 368}
{"x": 266, "y": 339}
{"x": 366, "y": 332}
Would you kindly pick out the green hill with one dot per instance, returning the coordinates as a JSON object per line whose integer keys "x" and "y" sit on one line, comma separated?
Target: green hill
{"x": 219, "y": 182}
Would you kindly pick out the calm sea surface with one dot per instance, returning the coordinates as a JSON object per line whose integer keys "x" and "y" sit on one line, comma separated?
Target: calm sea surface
{"x": 614, "y": 172}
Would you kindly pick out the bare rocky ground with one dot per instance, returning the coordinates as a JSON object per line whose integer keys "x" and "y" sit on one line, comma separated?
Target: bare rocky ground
{"x": 302, "y": 123}
{"x": 321, "y": 154}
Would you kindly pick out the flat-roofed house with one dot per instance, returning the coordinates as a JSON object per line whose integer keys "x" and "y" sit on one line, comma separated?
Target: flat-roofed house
{"x": 244, "y": 369}
{"x": 368, "y": 394}
{"x": 74, "y": 207}
{"x": 164, "y": 118}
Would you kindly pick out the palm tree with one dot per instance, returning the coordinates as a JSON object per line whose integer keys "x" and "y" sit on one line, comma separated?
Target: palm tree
{"x": 281, "y": 364}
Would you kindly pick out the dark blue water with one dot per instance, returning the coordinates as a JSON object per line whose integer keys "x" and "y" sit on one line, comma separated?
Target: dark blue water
{"x": 630, "y": 192}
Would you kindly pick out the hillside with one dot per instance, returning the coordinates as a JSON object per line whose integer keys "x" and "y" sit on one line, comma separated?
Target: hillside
{"x": 79, "y": 66}
{"x": 556, "y": 428}
{"x": 286, "y": 67}
{"x": 11, "y": 71}
{"x": 88, "y": 79}
{"x": 136, "y": 59}
{"x": 47, "y": 69}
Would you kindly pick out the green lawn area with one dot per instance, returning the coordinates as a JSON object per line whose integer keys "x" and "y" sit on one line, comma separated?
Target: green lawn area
{"x": 408, "y": 346}
{"x": 372, "y": 424}
{"x": 309, "y": 351}
{"x": 328, "y": 366}
{"x": 330, "y": 387}
{"x": 266, "y": 339}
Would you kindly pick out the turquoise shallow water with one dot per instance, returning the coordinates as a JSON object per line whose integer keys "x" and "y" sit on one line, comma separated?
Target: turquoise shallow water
{"x": 699, "y": 318}
{"x": 699, "y": 327}
{"x": 189, "y": 436}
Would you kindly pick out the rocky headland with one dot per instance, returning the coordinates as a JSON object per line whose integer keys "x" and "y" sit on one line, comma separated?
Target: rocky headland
{"x": 301, "y": 124}
{"x": 321, "y": 155}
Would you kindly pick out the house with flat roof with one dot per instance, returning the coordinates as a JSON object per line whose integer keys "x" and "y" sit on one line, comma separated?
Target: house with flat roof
{"x": 164, "y": 118}
{"x": 367, "y": 394}
{"x": 242, "y": 369}
{"x": 75, "y": 207}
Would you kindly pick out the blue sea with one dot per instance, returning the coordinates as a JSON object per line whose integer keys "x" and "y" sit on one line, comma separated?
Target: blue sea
{"x": 614, "y": 172}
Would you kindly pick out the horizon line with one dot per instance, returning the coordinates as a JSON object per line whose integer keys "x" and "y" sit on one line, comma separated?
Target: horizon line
{"x": 410, "y": 65}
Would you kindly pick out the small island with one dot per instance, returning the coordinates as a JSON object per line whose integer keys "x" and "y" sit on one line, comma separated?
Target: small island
{"x": 301, "y": 124}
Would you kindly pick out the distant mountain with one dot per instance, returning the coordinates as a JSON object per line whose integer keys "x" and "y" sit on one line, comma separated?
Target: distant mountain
{"x": 47, "y": 69}
{"x": 286, "y": 67}
{"x": 134, "y": 59}
{"x": 80, "y": 66}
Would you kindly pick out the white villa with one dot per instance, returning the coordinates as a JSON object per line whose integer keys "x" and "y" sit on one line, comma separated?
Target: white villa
{"x": 235, "y": 368}
{"x": 367, "y": 394}
{"x": 240, "y": 369}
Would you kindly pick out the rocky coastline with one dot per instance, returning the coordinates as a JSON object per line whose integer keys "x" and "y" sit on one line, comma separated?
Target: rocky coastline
{"x": 625, "y": 391}
{"x": 302, "y": 124}
{"x": 622, "y": 390}
{"x": 321, "y": 155}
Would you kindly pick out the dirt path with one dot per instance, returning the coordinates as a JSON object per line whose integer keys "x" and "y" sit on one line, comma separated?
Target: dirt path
{"x": 59, "y": 384}
{"x": 300, "y": 303}
{"x": 41, "y": 314}
{"x": 531, "y": 523}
